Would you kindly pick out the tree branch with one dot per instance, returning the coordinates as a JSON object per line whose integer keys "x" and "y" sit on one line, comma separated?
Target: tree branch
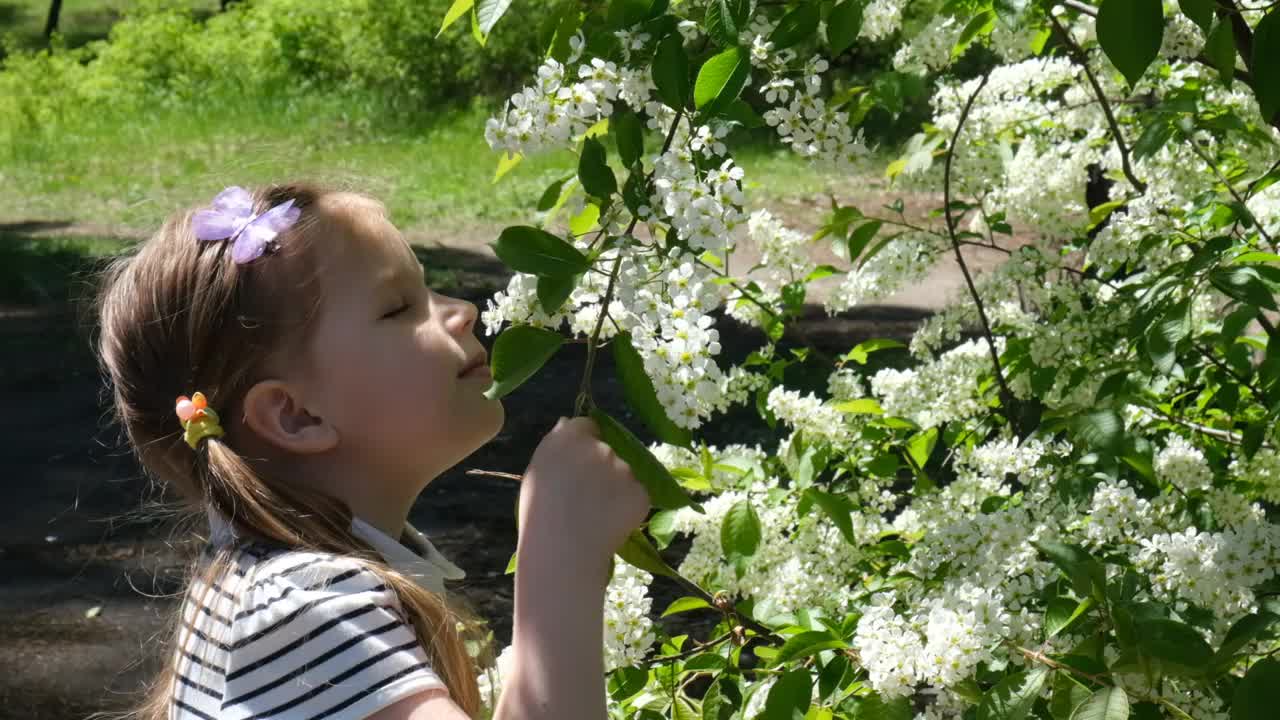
{"x": 1078, "y": 55}
{"x": 1006, "y": 395}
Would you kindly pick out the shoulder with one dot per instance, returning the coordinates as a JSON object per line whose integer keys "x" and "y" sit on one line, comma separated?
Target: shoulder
{"x": 317, "y": 633}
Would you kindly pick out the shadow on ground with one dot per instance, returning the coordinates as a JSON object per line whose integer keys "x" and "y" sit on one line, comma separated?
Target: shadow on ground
{"x": 89, "y": 575}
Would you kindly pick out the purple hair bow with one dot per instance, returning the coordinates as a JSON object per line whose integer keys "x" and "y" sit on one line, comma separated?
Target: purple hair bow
{"x": 231, "y": 218}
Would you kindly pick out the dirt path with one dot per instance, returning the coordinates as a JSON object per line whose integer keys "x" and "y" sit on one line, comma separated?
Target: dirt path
{"x": 88, "y": 584}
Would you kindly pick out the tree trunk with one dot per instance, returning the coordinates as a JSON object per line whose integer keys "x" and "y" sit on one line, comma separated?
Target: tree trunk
{"x": 51, "y": 24}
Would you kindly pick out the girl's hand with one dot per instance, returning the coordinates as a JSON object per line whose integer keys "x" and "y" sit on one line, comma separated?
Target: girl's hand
{"x": 580, "y": 496}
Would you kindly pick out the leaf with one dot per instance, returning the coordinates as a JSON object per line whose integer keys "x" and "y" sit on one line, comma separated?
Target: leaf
{"x": 861, "y": 237}
{"x": 553, "y": 290}
{"x": 861, "y": 406}
{"x": 517, "y": 354}
{"x": 807, "y": 643}
{"x": 1109, "y": 703}
{"x": 920, "y": 446}
{"x": 506, "y": 164}
{"x": 585, "y": 221}
{"x": 1101, "y": 430}
{"x": 843, "y": 25}
{"x": 489, "y": 12}
{"x": 863, "y": 349}
{"x": 641, "y": 395}
{"x": 1155, "y": 136}
{"x": 1199, "y": 12}
{"x": 740, "y": 531}
{"x": 455, "y": 11}
{"x": 1087, "y": 575}
{"x": 838, "y": 508}
{"x": 628, "y": 134}
{"x": 594, "y": 171}
{"x": 685, "y": 604}
{"x": 874, "y": 707}
{"x": 638, "y": 552}
{"x": 1178, "y": 647}
{"x": 1243, "y": 284}
{"x": 789, "y": 698}
{"x": 980, "y": 24}
{"x": 537, "y": 252}
{"x": 551, "y": 195}
{"x": 1258, "y": 694}
{"x": 1220, "y": 48}
{"x": 800, "y": 23}
{"x": 1068, "y": 694}
{"x": 664, "y": 491}
{"x": 1063, "y": 612}
{"x": 1013, "y": 696}
{"x": 1130, "y": 33}
{"x": 720, "y": 80}
{"x": 1266, "y": 55}
{"x": 1244, "y": 631}
{"x": 726, "y": 19}
{"x": 671, "y": 72}
{"x": 627, "y": 682}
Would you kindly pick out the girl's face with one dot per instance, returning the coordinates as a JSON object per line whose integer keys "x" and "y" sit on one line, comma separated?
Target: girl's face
{"x": 396, "y": 367}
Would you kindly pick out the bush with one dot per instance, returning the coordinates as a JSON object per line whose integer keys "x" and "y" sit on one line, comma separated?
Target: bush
{"x": 255, "y": 50}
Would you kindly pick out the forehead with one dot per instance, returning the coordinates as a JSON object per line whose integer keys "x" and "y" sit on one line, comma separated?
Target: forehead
{"x": 364, "y": 239}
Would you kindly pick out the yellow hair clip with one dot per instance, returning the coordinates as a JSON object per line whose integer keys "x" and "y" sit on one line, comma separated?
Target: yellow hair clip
{"x": 197, "y": 418}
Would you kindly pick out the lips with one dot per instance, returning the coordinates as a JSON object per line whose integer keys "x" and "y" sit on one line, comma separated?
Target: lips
{"x": 478, "y": 364}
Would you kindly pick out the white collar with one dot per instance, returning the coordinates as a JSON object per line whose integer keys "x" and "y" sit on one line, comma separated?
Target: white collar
{"x": 419, "y": 560}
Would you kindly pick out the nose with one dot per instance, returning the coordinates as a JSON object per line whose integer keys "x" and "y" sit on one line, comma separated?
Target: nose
{"x": 459, "y": 315}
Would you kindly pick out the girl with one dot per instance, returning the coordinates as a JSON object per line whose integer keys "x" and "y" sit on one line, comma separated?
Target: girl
{"x": 328, "y": 386}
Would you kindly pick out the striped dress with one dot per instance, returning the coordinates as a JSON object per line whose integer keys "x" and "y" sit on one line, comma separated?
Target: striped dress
{"x": 292, "y": 634}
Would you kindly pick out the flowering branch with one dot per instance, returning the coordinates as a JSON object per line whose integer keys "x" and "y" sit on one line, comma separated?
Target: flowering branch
{"x": 584, "y": 390}
{"x": 1006, "y": 395}
{"x": 1079, "y": 57}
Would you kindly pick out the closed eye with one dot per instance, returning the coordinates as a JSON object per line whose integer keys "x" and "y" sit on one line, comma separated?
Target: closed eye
{"x": 397, "y": 311}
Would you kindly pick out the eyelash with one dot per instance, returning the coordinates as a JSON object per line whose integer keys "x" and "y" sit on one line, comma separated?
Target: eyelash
{"x": 397, "y": 311}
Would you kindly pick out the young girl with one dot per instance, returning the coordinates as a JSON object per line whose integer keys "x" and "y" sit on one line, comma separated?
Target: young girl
{"x": 321, "y": 386}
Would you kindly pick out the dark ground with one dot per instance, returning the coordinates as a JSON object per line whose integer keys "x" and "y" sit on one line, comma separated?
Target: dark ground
{"x": 89, "y": 576}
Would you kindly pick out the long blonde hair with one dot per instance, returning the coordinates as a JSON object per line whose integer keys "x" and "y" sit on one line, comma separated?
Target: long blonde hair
{"x": 179, "y": 315}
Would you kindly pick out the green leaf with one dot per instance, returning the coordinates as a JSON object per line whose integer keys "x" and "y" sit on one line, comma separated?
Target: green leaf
{"x": 552, "y": 194}
{"x": 1062, "y": 613}
{"x": 843, "y": 25}
{"x": 861, "y": 237}
{"x": 627, "y": 682}
{"x": 838, "y": 508}
{"x": 720, "y": 80}
{"x": 1068, "y": 694}
{"x": 594, "y": 171}
{"x": 625, "y": 13}
{"x": 489, "y": 12}
{"x": 980, "y": 24}
{"x": 807, "y": 643}
{"x": 638, "y": 552}
{"x": 1220, "y": 48}
{"x": 1258, "y": 694}
{"x": 1101, "y": 430}
{"x": 874, "y": 707}
{"x": 920, "y": 446}
{"x": 455, "y": 11}
{"x": 1155, "y": 136}
{"x": 585, "y": 221}
{"x": 1243, "y": 284}
{"x": 740, "y": 531}
{"x": 1199, "y": 12}
{"x": 671, "y": 72}
{"x": 628, "y": 134}
{"x": 1266, "y": 55}
{"x": 517, "y": 354}
{"x": 1130, "y": 33}
{"x": 1244, "y": 631}
{"x": 664, "y": 491}
{"x": 1178, "y": 647}
{"x": 506, "y": 164}
{"x": 1087, "y": 575}
{"x": 861, "y": 406}
{"x": 1109, "y": 703}
{"x": 800, "y": 23}
{"x": 641, "y": 395}
{"x": 862, "y": 350}
{"x": 685, "y": 604}
{"x": 721, "y": 700}
{"x": 726, "y": 19}
{"x": 553, "y": 290}
{"x": 1013, "y": 696}
{"x": 789, "y": 698}
{"x": 537, "y": 252}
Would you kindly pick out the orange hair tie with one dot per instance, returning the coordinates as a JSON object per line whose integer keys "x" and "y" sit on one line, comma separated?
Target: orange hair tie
{"x": 199, "y": 421}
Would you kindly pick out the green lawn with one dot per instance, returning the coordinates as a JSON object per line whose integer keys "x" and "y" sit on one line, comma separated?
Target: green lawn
{"x": 81, "y": 21}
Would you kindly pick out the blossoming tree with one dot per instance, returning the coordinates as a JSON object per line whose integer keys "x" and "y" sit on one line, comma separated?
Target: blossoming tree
{"x": 1060, "y": 508}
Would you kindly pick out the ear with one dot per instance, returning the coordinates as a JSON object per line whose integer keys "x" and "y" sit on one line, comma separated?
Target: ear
{"x": 274, "y": 412}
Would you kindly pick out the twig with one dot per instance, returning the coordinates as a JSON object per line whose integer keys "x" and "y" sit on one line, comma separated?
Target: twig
{"x": 1006, "y": 395}
{"x": 1081, "y": 7}
{"x": 1204, "y": 157}
{"x": 1079, "y": 56}
{"x": 1243, "y": 380}
{"x": 698, "y": 647}
{"x": 747, "y": 622}
{"x": 494, "y": 473}
{"x": 1039, "y": 657}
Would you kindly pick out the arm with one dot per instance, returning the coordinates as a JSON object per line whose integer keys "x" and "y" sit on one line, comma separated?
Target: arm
{"x": 558, "y": 669}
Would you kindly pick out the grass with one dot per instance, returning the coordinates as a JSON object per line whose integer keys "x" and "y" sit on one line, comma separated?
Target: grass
{"x": 124, "y": 175}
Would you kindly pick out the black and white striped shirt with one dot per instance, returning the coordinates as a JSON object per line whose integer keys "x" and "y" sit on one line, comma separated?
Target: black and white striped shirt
{"x": 293, "y": 634}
